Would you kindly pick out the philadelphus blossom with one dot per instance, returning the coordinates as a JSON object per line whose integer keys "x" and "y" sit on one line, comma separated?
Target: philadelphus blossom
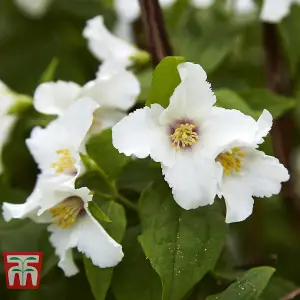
{"x": 273, "y": 11}
{"x": 115, "y": 90}
{"x": 6, "y": 121}
{"x": 105, "y": 46}
{"x": 203, "y": 150}
{"x": 56, "y": 148}
{"x": 72, "y": 225}
{"x": 33, "y": 8}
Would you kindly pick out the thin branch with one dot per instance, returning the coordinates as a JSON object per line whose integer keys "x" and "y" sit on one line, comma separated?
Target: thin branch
{"x": 157, "y": 36}
{"x": 292, "y": 295}
{"x": 279, "y": 82}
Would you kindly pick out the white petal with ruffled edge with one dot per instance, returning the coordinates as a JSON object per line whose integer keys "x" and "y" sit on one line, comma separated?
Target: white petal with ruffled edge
{"x": 273, "y": 11}
{"x": 89, "y": 237}
{"x": 114, "y": 87}
{"x": 104, "y": 45}
{"x": 66, "y": 132}
{"x": 53, "y": 98}
{"x": 141, "y": 134}
{"x": 193, "y": 180}
{"x": 193, "y": 98}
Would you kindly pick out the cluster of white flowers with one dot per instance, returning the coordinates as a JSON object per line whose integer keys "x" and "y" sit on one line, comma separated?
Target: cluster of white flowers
{"x": 81, "y": 111}
{"x": 204, "y": 150}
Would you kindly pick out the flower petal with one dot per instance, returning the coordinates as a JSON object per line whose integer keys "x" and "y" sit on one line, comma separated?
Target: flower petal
{"x": 106, "y": 46}
{"x": 193, "y": 97}
{"x": 238, "y": 199}
{"x": 274, "y": 11}
{"x": 28, "y": 209}
{"x": 263, "y": 173}
{"x": 33, "y": 8}
{"x": 193, "y": 181}
{"x": 224, "y": 128}
{"x": 264, "y": 123}
{"x": 53, "y": 98}
{"x": 114, "y": 87}
{"x": 129, "y": 10}
{"x": 140, "y": 134}
{"x": 105, "y": 118}
{"x": 96, "y": 244}
{"x": 63, "y": 240}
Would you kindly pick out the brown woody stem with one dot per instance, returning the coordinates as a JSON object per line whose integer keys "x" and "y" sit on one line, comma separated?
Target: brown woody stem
{"x": 279, "y": 82}
{"x": 158, "y": 42}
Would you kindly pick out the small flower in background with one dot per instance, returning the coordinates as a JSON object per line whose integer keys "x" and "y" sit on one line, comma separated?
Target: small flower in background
{"x": 115, "y": 90}
{"x": 203, "y": 150}
{"x": 33, "y": 8}
{"x": 238, "y": 7}
{"x": 273, "y": 11}
{"x": 56, "y": 148}
{"x": 72, "y": 226}
{"x": 7, "y": 100}
{"x": 105, "y": 46}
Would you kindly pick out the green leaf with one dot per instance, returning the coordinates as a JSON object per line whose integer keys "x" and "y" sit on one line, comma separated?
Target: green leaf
{"x": 134, "y": 278}
{"x": 95, "y": 182}
{"x": 249, "y": 287}
{"x": 105, "y": 155}
{"x": 182, "y": 245}
{"x": 231, "y": 100}
{"x": 139, "y": 174}
{"x": 100, "y": 279}
{"x": 164, "y": 81}
{"x": 49, "y": 73}
{"x": 260, "y": 99}
{"x": 97, "y": 212}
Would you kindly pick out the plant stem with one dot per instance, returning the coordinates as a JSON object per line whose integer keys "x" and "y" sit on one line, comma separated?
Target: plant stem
{"x": 279, "y": 82}
{"x": 157, "y": 37}
{"x": 126, "y": 202}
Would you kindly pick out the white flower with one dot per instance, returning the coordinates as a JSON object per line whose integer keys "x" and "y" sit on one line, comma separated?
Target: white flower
{"x": 241, "y": 7}
{"x": 105, "y": 46}
{"x": 129, "y": 10}
{"x": 72, "y": 226}
{"x": 273, "y": 11}
{"x": 115, "y": 90}
{"x": 247, "y": 172}
{"x": 56, "y": 148}
{"x": 189, "y": 139}
{"x": 33, "y": 8}
{"x": 6, "y": 121}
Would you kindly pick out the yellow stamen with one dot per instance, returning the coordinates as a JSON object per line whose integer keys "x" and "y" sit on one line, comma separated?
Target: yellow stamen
{"x": 66, "y": 213}
{"x": 65, "y": 162}
{"x": 184, "y": 135}
{"x": 231, "y": 161}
